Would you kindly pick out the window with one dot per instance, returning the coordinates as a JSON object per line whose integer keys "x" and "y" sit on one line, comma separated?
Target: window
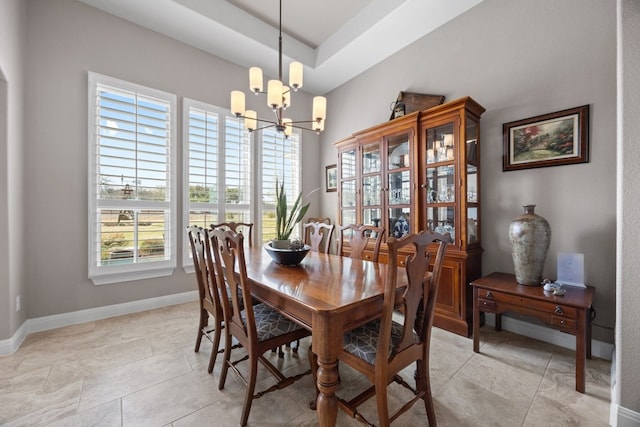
{"x": 223, "y": 181}
{"x": 281, "y": 162}
{"x": 132, "y": 191}
{"x": 218, "y": 172}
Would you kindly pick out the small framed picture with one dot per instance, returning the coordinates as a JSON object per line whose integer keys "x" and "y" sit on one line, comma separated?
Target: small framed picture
{"x": 553, "y": 139}
{"x": 331, "y": 175}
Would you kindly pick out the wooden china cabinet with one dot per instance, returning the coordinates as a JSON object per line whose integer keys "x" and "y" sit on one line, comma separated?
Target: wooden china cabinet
{"x": 421, "y": 171}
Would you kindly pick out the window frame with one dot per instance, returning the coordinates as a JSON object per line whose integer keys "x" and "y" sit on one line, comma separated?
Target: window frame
{"x": 257, "y": 207}
{"x": 106, "y": 274}
{"x": 221, "y": 206}
{"x": 263, "y": 207}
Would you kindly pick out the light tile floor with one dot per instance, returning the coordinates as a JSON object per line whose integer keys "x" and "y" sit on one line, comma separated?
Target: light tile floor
{"x": 141, "y": 370}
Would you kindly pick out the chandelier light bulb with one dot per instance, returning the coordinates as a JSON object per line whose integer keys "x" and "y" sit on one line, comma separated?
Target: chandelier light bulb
{"x": 237, "y": 103}
{"x": 319, "y": 108}
{"x": 274, "y": 94}
{"x": 255, "y": 79}
{"x": 288, "y": 126}
{"x": 286, "y": 96}
{"x": 295, "y": 75}
{"x": 250, "y": 120}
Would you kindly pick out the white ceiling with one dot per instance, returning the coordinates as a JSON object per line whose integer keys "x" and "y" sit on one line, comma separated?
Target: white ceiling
{"x": 335, "y": 39}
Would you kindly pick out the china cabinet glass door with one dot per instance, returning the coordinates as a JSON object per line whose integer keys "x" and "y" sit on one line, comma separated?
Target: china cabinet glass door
{"x": 371, "y": 184}
{"x": 441, "y": 186}
{"x": 473, "y": 219}
{"x": 348, "y": 187}
{"x": 398, "y": 194}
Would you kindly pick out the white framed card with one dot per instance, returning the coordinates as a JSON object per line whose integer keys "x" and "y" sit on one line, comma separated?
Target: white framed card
{"x": 571, "y": 269}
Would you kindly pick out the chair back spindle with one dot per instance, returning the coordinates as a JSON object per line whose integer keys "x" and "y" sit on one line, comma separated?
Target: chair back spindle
{"x": 318, "y": 236}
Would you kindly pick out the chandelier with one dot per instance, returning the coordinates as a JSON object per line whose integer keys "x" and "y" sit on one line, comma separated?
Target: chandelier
{"x": 278, "y": 99}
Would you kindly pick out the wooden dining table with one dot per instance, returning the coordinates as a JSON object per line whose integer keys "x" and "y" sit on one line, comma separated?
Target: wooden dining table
{"x": 326, "y": 294}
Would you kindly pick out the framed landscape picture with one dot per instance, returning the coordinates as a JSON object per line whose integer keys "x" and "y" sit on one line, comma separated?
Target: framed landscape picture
{"x": 332, "y": 178}
{"x": 553, "y": 139}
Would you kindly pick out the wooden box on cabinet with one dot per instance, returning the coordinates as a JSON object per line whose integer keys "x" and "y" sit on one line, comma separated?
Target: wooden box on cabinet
{"x": 421, "y": 171}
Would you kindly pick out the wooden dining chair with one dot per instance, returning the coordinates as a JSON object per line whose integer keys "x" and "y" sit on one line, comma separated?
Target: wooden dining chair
{"x": 207, "y": 291}
{"x": 382, "y": 348}
{"x": 247, "y": 226}
{"x": 324, "y": 220}
{"x": 257, "y": 328}
{"x": 358, "y": 237}
{"x": 318, "y": 236}
{"x": 238, "y": 227}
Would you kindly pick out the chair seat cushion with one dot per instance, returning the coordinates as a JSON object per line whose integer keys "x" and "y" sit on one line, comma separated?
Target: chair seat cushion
{"x": 363, "y": 341}
{"x": 270, "y": 323}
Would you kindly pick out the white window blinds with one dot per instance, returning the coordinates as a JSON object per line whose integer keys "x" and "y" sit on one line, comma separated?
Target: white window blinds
{"x": 218, "y": 172}
{"x": 281, "y": 162}
{"x": 132, "y": 180}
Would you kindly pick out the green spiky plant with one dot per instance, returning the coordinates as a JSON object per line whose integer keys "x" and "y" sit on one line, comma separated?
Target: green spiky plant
{"x": 286, "y": 220}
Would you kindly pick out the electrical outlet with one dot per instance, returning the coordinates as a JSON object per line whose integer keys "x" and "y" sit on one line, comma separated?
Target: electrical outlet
{"x": 18, "y": 303}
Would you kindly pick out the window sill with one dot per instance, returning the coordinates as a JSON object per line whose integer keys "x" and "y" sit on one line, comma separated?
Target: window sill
{"x": 105, "y": 279}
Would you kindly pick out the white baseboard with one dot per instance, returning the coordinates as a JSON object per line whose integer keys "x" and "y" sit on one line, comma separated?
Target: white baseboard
{"x": 9, "y": 346}
{"x": 623, "y": 417}
{"x": 619, "y": 416}
{"x": 599, "y": 349}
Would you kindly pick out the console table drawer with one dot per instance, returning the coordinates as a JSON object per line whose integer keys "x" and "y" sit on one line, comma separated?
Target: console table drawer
{"x": 486, "y": 304}
{"x": 559, "y": 310}
{"x": 563, "y": 323}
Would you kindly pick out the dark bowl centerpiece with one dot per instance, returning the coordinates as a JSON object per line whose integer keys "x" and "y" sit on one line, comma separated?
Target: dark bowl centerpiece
{"x": 282, "y": 249}
{"x": 287, "y": 256}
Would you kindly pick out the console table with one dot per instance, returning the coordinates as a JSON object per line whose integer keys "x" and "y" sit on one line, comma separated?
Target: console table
{"x": 500, "y": 293}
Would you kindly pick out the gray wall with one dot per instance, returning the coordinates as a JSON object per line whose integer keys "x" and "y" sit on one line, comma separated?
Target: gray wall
{"x": 627, "y": 375}
{"x": 518, "y": 59}
{"x": 12, "y": 47}
{"x": 66, "y": 40}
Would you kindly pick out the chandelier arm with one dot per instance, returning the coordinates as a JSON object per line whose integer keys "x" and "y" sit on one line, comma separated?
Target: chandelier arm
{"x": 304, "y": 121}
{"x": 271, "y": 124}
{"x": 258, "y": 120}
{"x": 302, "y": 127}
{"x": 278, "y": 114}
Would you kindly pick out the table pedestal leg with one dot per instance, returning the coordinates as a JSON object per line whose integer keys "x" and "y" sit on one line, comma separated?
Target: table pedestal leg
{"x": 327, "y": 404}
{"x": 326, "y": 342}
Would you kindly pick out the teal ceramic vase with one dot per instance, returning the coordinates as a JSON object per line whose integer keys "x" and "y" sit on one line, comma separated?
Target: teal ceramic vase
{"x": 530, "y": 235}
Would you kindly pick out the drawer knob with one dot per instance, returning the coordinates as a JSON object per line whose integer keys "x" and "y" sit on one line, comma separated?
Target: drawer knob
{"x": 558, "y": 310}
{"x": 489, "y": 294}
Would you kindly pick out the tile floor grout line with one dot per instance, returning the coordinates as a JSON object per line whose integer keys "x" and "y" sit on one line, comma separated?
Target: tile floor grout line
{"x": 535, "y": 395}
{"x": 434, "y": 392}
